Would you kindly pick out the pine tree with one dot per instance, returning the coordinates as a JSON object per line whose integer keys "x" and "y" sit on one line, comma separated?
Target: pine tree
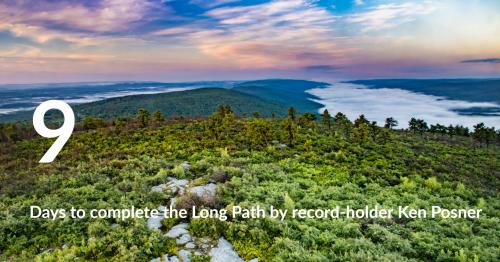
{"x": 390, "y": 123}
{"x": 326, "y": 119}
{"x": 158, "y": 117}
{"x": 291, "y": 113}
{"x": 142, "y": 117}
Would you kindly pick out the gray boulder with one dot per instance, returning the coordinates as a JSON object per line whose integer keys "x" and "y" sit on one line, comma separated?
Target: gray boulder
{"x": 185, "y": 238}
{"x": 177, "y": 230}
{"x": 185, "y": 255}
{"x": 224, "y": 252}
{"x": 205, "y": 191}
{"x": 154, "y": 222}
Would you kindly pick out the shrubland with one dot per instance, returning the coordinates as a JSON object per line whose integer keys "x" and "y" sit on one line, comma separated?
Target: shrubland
{"x": 292, "y": 162}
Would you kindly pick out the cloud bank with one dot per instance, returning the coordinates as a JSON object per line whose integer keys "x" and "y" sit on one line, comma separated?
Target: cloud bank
{"x": 378, "y": 104}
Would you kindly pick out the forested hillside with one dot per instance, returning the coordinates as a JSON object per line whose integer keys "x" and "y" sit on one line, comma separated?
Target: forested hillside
{"x": 284, "y": 91}
{"x": 191, "y": 103}
{"x": 265, "y": 96}
{"x": 293, "y": 162}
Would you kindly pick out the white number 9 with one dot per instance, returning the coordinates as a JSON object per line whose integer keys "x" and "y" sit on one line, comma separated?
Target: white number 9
{"x": 63, "y": 133}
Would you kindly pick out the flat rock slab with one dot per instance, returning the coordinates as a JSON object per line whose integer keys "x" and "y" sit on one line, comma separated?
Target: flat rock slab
{"x": 185, "y": 238}
{"x": 224, "y": 252}
{"x": 177, "y": 230}
{"x": 159, "y": 188}
{"x": 154, "y": 222}
{"x": 185, "y": 255}
{"x": 175, "y": 185}
{"x": 165, "y": 258}
{"x": 208, "y": 190}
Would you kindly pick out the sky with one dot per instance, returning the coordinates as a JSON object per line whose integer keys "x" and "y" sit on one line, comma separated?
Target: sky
{"x": 192, "y": 40}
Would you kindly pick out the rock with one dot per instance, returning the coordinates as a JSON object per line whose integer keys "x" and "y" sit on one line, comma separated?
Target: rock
{"x": 190, "y": 245}
{"x": 183, "y": 239}
{"x": 205, "y": 191}
{"x": 186, "y": 165}
{"x": 165, "y": 258}
{"x": 175, "y": 185}
{"x": 224, "y": 252}
{"x": 173, "y": 202}
{"x": 159, "y": 188}
{"x": 64, "y": 246}
{"x": 278, "y": 144}
{"x": 254, "y": 260}
{"x": 114, "y": 225}
{"x": 197, "y": 253}
{"x": 162, "y": 209}
{"x": 158, "y": 259}
{"x": 177, "y": 230}
{"x": 154, "y": 222}
{"x": 185, "y": 255}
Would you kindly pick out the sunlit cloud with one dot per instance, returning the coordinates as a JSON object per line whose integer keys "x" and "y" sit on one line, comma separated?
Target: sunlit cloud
{"x": 391, "y": 15}
{"x": 357, "y": 39}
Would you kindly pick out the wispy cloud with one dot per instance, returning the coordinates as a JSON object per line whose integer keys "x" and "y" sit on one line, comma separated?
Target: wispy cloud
{"x": 362, "y": 38}
{"x": 213, "y": 3}
{"x": 107, "y": 16}
{"x": 391, "y": 15}
{"x": 483, "y": 60}
{"x": 359, "y": 2}
{"x": 281, "y": 33}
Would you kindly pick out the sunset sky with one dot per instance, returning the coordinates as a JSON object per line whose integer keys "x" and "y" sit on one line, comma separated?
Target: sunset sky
{"x": 170, "y": 40}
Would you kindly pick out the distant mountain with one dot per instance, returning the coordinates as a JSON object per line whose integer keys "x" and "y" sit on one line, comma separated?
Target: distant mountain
{"x": 284, "y": 91}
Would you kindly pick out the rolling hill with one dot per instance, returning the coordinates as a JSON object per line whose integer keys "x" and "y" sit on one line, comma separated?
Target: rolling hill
{"x": 264, "y": 96}
{"x": 199, "y": 102}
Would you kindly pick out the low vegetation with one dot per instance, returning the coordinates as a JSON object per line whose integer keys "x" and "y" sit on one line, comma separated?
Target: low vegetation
{"x": 293, "y": 162}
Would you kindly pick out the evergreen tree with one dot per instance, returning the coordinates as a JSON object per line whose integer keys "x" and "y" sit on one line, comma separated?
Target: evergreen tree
{"x": 343, "y": 123}
{"x": 307, "y": 119}
{"x": 291, "y": 113}
{"x": 258, "y": 132}
{"x": 158, "y": 117}
{"x": 142, "y": 117}
{"x": 290, "y": 131}
{"x": 390, "y": 123}
{"x": 361, "y": 120}
{"x": 326, "y": 119}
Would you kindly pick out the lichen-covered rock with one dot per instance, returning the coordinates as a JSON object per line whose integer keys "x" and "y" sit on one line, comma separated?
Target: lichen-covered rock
{"x": 159, "y": 188}
{"x": 154, "y": 222}
{"x": 177, "y": 230}
{"x": 165, "y": 258}
{"x": 205, "y": 191}
{"x": 185, "y": 165}
{"x": 190, "y": 245}
{"x": 185, "y": 255}
{"x": 173, "y": 202}
{"x": 224, "y": 252}
{"x": 176, "y": 185}
{"x": 183, "y": 239}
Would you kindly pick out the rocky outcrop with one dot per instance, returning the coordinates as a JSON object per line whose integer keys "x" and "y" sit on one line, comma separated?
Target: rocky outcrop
{"x": 219, "y": 251}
